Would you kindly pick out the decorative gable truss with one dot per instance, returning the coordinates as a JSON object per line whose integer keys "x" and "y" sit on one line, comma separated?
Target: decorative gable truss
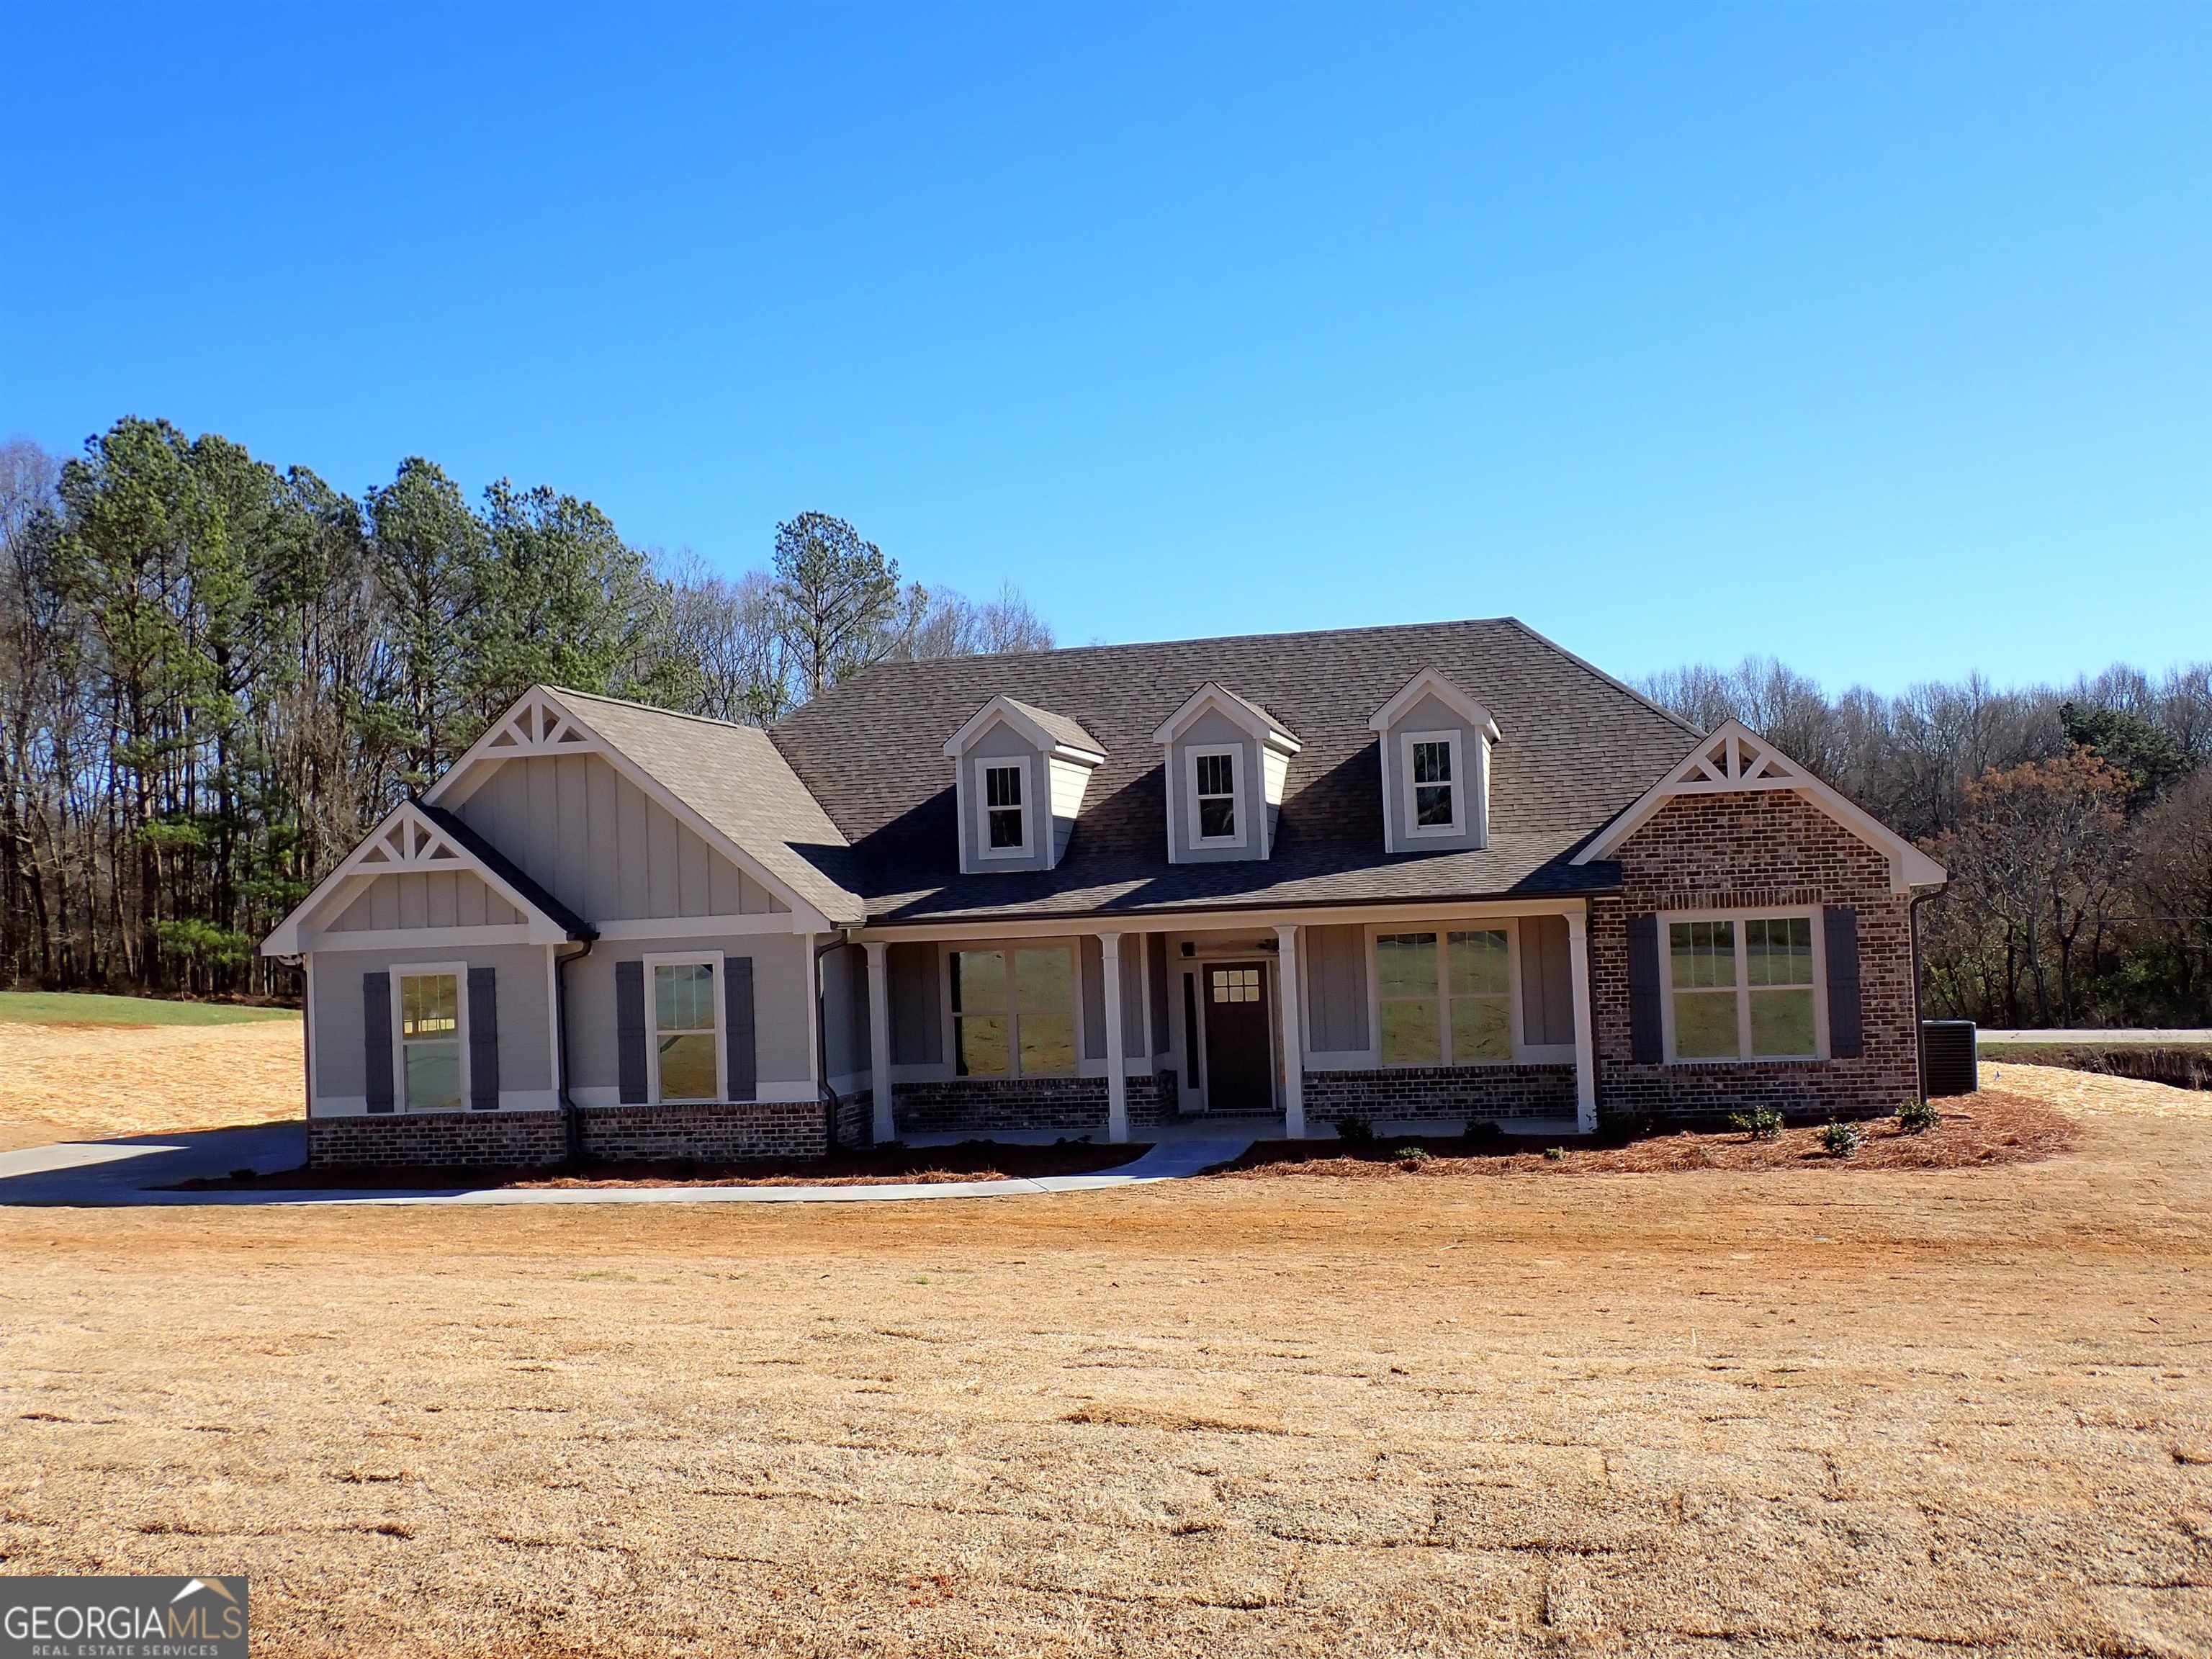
{"x": 1735, "y": 759}
{"x": 410, "y": 840}
{"x": 534, "y": 727}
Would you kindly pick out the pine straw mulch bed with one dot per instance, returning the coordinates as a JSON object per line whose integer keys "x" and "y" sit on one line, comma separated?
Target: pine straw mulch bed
{"x": 971, "y": 1160}
{"x": 1986, "y": 1128}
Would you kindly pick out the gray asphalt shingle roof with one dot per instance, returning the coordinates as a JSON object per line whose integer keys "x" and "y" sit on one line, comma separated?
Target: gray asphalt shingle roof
{"x": 1577, "y": 748}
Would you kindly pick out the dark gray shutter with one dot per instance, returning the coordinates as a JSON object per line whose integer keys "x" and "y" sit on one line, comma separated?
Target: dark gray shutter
{"x": 1846, "y": 1039}
{"x": 1647, "y": 1042}
{"x": 629, "y": 1031}
{"x": 738, "y": 999}
{"x": 376, "y": 1039}
{"x": 484, "y": 1039}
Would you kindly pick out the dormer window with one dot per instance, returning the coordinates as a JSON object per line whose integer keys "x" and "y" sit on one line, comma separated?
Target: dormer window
{"x": 1435, "y": 743}
{"x": 1432, "y": 771}
{"x": 1006, "y": 818}
{"x": 1216, "y": 819}
{"x": 1226, "y": 761}
{"x": 1019, "y": 774}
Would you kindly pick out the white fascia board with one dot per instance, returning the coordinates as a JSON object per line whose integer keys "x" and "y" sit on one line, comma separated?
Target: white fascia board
{"x": 1433, "y": 683}
{"x": 1909, "y": 868}
{"x": 1216, "y": 697}
{"x": 463, "y": 777}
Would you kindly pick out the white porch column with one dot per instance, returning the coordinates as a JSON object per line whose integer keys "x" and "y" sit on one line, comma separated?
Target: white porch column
{"x": 1585, "y": 1043}
{"x": 1117, "y": 1067}
{"x": 880, "y": 1041}
{"x": 1294, "y": 1035}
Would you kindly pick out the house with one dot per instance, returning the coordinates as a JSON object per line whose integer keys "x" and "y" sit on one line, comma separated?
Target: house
{"x": 1446, "y": 871}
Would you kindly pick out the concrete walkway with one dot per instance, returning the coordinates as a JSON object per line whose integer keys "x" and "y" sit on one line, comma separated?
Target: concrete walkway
{"x": 104, "y": 1173}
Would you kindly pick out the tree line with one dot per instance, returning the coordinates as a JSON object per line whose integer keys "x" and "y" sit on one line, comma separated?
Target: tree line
{"x": 2075, "y": 823}
{"x": 216, "y": 675}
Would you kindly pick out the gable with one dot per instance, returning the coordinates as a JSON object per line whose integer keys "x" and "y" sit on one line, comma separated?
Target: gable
{"x": 604, "y": 848}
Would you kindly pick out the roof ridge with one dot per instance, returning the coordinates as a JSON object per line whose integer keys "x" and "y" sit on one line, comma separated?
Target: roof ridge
{"x": 1597, "y": 673}
{"x": 653, "y": 709}
{"x": 1195, "y": 639}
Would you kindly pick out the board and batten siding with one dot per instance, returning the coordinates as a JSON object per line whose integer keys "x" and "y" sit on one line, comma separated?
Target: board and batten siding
{"x": 603, "y": 846}
{"x": 917, "y": 1010}
{"x": 525, "y": 1020}
{"x": 1094, "y": 996}
{"x": 845, "y": 1017}
{"x": 425, "y": 899}
{"x": 1336, "y": 988}
{"x": 1547, "y": 990}
{"x": 783, "y": 1023}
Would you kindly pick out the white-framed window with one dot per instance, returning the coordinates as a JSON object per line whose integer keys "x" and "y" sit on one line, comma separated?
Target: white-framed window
{"x": 1013, "y": 1011}
{"x": 1216, "y": 777}
{"x": 1435, "y": 783}
{"x": 1002, "y": 807}
{"x": 1444, "y": 999}
{"x": 685, "y": 1061}
{"x": 1743, "y": 986}
{"x": 430, "y": 1036}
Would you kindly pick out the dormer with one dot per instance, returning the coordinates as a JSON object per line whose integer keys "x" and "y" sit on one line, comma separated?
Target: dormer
{"x": 1020, "y": 772}
{"x": 1226, "y": 760}
{"x": 1435, "y": 741}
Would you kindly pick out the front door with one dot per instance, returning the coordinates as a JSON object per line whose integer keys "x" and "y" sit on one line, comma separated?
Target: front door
{"x": 1238, "y": 1072}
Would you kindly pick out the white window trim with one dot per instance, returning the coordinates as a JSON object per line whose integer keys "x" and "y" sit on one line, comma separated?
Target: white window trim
{"x": 1511, "y": 926}
{"x": 1013, "y": 1014}
{"x": 981, "y": 793}
{"x": 1191, "y": 756}
{"x": 401, "y": 972}
{"x": 1412, "y": 829}
{"x": 714, "y": 959}
{"x": 1743, "y": 1055}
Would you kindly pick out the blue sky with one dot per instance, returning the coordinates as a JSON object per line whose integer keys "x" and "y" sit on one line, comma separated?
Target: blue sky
{"x": 1876, "y": 337}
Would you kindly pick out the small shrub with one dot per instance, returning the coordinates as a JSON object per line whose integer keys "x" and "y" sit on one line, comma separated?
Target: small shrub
{"x": 1411, "y": 1157}
{"x": 1760, "y": 1123}
{"x": 1555, "y": 1154}
{"x": 1918, "y": 1117}
{"x": 1839, "y": 1139}
{"x": 1354, "y": 1130}
{"x": 1617, "y": 1124}
{"x": 1485, "y": 1134}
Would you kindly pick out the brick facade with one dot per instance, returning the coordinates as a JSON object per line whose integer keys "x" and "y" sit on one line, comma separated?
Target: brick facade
{"x": 1478, "y": 1093}
{"x": 1073, "y": 1105}
{"x": 492, "y": 1141}
{"x": 1754, "y": 850}
{"x": 482, "y": 1140}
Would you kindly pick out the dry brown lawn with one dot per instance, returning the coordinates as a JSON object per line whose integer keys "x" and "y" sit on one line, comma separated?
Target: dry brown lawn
{"x": 89, "y": 1082}
{"x": 1896, "y": 1413}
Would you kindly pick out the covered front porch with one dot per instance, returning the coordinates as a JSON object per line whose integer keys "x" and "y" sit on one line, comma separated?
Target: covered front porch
{"x": 1416, "y": 1019}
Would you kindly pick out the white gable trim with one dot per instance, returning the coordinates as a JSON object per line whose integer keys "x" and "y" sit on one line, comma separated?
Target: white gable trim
{"x": 1216, "y": 697}
{"x": 1004, "y": 708}
{"x": 1430, "y": 683}
{"x": 406, "y": 841}
{"x": 481, "y": 755}
{"x": 1734, "y": 760}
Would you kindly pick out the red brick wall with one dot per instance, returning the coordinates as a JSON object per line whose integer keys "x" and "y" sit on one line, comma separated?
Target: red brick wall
{"x": 1745, "y": 851}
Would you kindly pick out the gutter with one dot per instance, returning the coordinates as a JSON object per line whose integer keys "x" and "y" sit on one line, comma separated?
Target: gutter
{"x": 572, "y": 1116}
